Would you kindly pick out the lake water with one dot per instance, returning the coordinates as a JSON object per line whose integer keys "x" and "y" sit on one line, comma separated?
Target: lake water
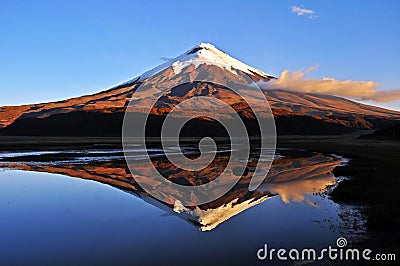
{"x": 63, "y": 208}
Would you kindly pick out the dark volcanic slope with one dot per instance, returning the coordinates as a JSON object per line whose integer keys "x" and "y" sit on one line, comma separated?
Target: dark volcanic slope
{"x": 105, "y": 118}
{"x": 102, "y": 114}
{"x": 387, "y": 133}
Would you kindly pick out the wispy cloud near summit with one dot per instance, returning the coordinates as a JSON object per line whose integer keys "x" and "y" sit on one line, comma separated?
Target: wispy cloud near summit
{"x": 301, "y": 11}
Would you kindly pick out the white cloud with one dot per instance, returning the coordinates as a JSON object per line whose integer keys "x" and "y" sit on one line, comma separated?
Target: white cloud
{"x": 301, "y": 11}
{"x": 358, "y": 90}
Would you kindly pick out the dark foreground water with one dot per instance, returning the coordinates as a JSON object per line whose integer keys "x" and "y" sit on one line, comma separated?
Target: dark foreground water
{"x": 54, "y": 213}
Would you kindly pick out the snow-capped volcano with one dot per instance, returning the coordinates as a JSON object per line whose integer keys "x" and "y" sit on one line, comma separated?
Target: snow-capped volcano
{"x": 102, "y": 113}
{"x": 204, "y": 53}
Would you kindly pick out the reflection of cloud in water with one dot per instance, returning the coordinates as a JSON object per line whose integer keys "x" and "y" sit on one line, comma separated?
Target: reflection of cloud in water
{"x": 292, "y": 179}
{"x": 292, "y": 176}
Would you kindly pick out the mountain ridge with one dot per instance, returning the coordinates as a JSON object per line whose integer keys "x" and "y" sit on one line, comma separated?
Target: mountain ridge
{"x": 286, "y": 105}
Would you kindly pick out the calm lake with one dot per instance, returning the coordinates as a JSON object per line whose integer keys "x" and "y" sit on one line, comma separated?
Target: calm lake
{"x": 84, "y": 207}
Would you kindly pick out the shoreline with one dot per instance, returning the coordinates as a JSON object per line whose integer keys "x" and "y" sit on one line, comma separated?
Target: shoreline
{"x": 373, "y": 182}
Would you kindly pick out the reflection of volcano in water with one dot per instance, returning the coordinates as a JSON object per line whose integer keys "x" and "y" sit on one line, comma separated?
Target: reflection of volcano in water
{"x": 292, "y": 176}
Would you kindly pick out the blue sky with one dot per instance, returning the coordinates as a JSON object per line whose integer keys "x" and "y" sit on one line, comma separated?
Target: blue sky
{"x": 52, "y": 50}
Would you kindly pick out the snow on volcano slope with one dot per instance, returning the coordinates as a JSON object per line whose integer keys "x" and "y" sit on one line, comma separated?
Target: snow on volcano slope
{"x": 203, "y": 53}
